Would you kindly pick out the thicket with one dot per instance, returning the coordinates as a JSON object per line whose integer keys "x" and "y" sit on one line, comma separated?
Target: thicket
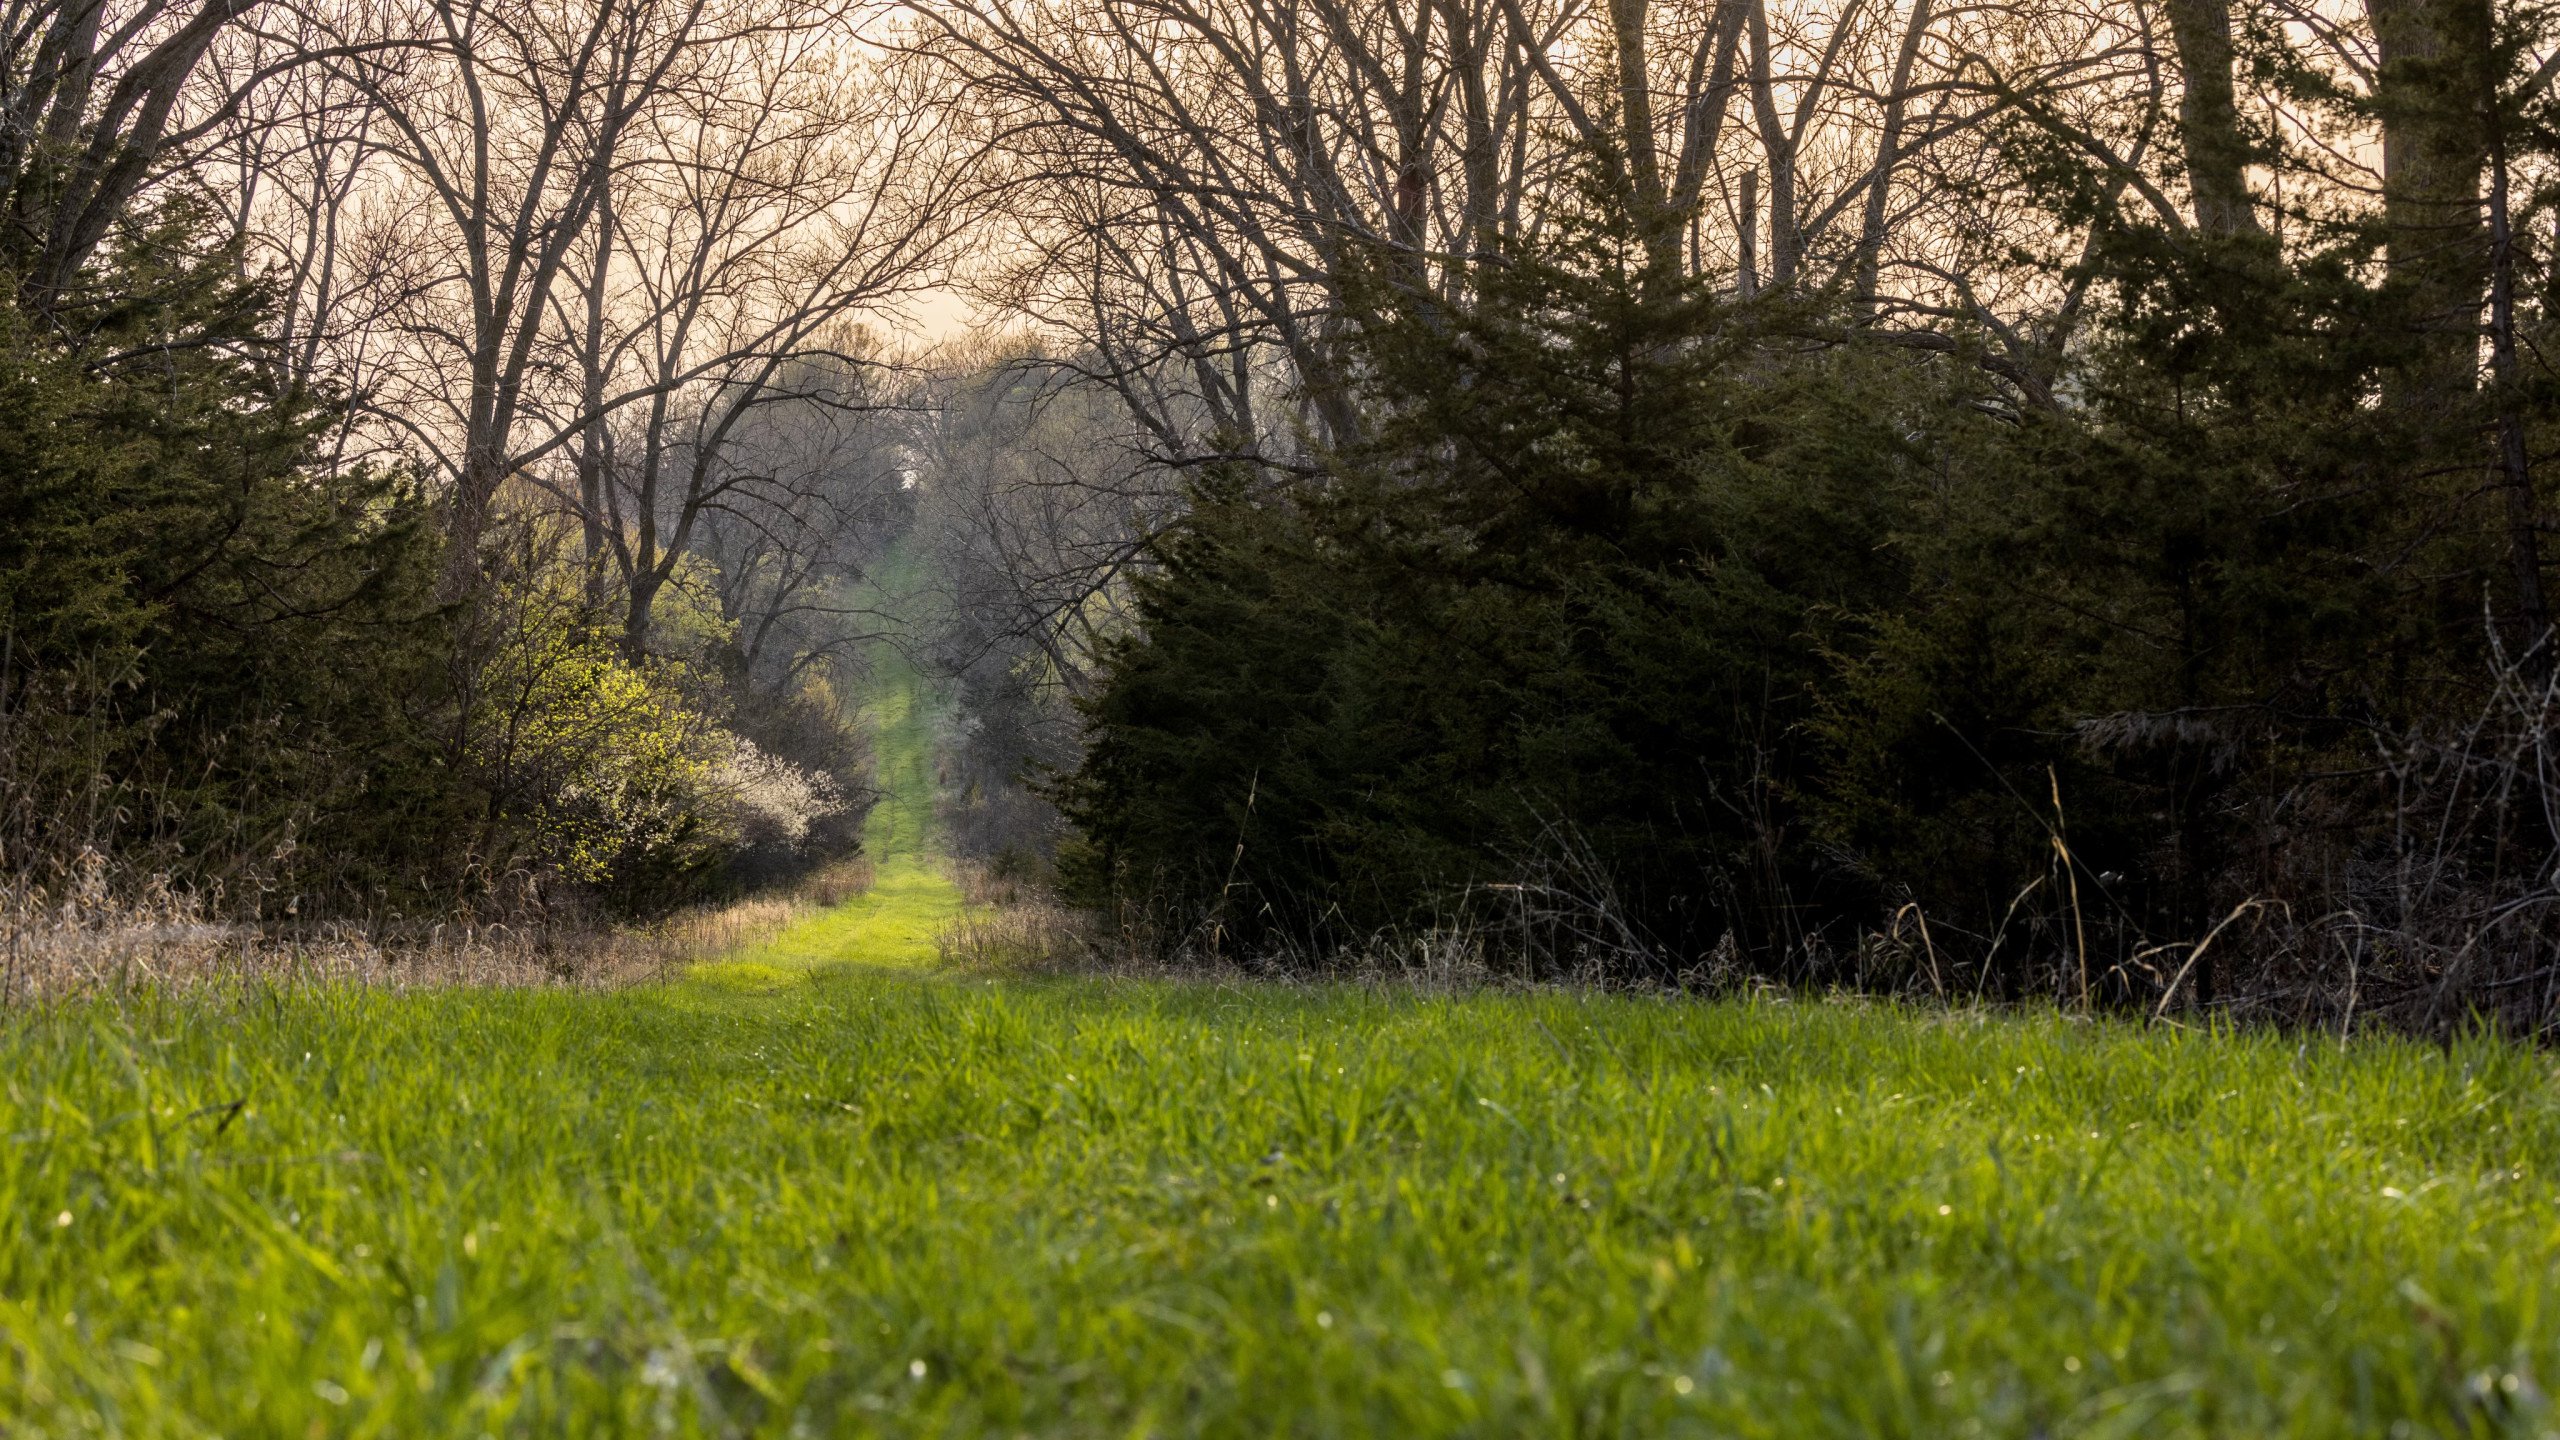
{"x": 1653, "y": 631}
{"x": 228, "y": 671}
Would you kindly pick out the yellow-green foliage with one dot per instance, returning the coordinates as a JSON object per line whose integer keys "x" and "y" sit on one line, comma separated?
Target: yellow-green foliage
{"x": 601, "y": 758}
{"x": 637, "y": 762}
{"x": 686, "y": 618}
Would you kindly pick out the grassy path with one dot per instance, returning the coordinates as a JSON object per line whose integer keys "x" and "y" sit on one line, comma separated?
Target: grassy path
{"x": 912, "y": 897}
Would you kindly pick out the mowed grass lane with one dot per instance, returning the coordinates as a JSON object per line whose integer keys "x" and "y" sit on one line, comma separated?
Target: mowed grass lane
{"x": 864, "y": 1202}
{"x": 912, "y": 898}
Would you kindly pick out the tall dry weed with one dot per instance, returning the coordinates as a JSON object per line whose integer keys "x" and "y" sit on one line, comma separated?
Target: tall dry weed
{"x": 1012, "y": 924}
{"x": 99, "y": 937}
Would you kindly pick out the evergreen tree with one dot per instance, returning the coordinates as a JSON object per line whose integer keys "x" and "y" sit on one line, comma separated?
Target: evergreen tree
{"x": 1546, "y": 629}
{"x": 218, "y": 654}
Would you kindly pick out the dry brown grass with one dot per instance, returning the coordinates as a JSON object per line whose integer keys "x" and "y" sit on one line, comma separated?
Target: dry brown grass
{"x": 89, "y": 940}
{"x": 711, "y": 931}
{"x": 1012, "y": 925}
{"x": 1029, "y": 935}
{"x": 45, "y": 953}
{"x": 837, "y": 883}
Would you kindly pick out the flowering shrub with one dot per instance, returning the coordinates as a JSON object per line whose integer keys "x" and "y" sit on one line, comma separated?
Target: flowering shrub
{"x": 771, "y": 802}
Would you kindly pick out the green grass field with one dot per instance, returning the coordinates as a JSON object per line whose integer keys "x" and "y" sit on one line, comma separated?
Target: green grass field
{"x": 825, "y": 1189}
{"x": 874, "y": 1202}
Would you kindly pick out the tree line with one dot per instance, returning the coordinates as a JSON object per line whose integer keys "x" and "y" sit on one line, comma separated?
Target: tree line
{"x": 450, "y": 444}
{"x": 1990, "y": 500}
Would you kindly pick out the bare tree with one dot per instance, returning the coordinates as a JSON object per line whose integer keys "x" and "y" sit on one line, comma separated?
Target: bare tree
{"x": 738, "y": 232}
{"x": 832, "y": 487}
{"x": 716, "y": 181}
{"x": 1192, "y": 181}
{"x": 94, "y": 105}
{"x": 1037, "y": 496}
{"x": 2209, "y": 118}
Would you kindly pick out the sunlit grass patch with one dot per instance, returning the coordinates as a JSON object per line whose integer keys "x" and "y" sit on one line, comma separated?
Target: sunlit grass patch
{"x": 893, "y": 924}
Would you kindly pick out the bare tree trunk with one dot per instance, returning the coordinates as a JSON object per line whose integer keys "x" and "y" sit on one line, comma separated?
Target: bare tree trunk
{"x": 1748, "y": 280}
{"x": 474, "y": 493}
{"x": 2515, "y": 465}
{"x": 1635, "y": 132}
{"x": 1702, "y": 118}
{"x": 1410, "y": 224}
{"x": 594, "y": 448}
{"x": 1777, "y": 143}
{"x": 2209, "y": 119}
{"x": 1888, "y": 156}
{"x": 2427, "y": 90}
{"x": 1469, "y": 41}
{"x": 88, "y": 166}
